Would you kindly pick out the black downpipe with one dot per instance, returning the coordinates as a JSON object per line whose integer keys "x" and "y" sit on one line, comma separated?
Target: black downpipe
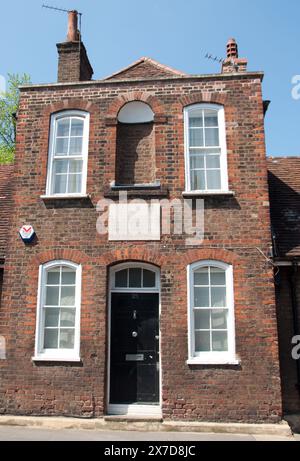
{"x": 293, "y": 284}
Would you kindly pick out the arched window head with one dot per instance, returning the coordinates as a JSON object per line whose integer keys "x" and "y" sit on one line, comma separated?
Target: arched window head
{"x": 136, "y": 112}
{"x": 134, "y": 276}
{"x": 68, "y": 153}
{"x": 58, "y": 314}
{"x": 211, "y": 313}
{"x": 205, "y": 148}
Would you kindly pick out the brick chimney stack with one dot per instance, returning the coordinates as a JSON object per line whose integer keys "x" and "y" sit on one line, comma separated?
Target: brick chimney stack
{"x": 73, "y": 63}
{"x": 233, "y": 63}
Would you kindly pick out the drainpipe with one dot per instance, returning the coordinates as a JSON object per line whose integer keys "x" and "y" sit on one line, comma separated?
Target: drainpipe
{"x": 295, "y": 308}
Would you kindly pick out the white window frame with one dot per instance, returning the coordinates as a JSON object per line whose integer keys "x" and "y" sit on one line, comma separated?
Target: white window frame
{"x": 85, "y": 146}
{"x": 65, "y": 355}
{"x": 223, "y": 147}
{"x": 133, "y": 265}
{"x": 211, "y": 358}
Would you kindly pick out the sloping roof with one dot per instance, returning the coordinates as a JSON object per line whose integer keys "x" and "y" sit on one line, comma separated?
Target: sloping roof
{"x": 6, "y": 172}
{"x": 145, "y": 68}
{"x": 284, "y": 187}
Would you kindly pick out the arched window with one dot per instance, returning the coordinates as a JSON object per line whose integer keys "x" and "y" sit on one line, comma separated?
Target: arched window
{"x": 205, "y": 148}
{"x": 134, "y": 276}
{"x": 211, "y": 313}
{"x": 58, "y": 315}
{"x": 68, "y": 153}
{"x": 135, "y": 148}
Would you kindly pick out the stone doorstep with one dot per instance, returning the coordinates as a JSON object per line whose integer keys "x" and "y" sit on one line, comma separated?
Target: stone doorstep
{"x": 281, "y": 429}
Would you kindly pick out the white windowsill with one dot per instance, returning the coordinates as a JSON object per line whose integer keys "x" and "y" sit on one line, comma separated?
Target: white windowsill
{"x": 64, "y": 196}
{"x": 212, "y": 362}
{"x": 55, "y": 359}
{"x": 208, "y": 193}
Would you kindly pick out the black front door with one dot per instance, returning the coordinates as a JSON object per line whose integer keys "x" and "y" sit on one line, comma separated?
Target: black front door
{"x": 134, "y": 366}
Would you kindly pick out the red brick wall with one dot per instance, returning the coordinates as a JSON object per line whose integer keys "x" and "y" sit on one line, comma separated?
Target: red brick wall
{"x": 135, "y": 154}
{"x": 290, "y": 392}
{"x": 1, "y": 283}
{"x": 234, "y": 228}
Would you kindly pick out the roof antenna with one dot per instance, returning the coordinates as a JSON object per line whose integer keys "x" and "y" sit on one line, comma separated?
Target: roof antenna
{"x": 214, "y": 58}
{"x": 62, "y": 10}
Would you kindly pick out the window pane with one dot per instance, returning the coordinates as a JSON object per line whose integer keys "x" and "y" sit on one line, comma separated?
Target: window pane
{"x": 75, "y": 146}
{"x": 61, "y": 147}
{"x": 135, "y": 278}
{"x": 196, "y": 121}
{"x": 201, "y": 276}
{"x": 202, "y": 341}
{"x": 68, "y": 276}
{"x": 197, "y": 161}
{"x": 67, "y": 339}
{"x": 219, "y": 319}
{"x": 60, "y": 184}
{"x": 213, "y": 161}
{"x": 67, "y": 296}
{"x": 121, "y": 279}
{"x": 201, "y": 297}
{"x": 217, "y": 276}
{"x": 219, "y": 341}
{"x": 75, "y": 182}
{"x": 61, "y": 166}
{"x": 202, "y": 319}
{"x": 51, "y": 339}
{"x": 218, "y": 297}
{"x": 52, "y": 296}
{"x": 213, "y": 179}
{"x": 51, "y": 317}
{"x": 196, "y": 137}
{"x": 67, "y": 318}
{"x": 148, "y": 279}
{"x": 53, "y": 276}
{"x": 198, "y": 180}
{"x": 77, "y": 127}
{"x": 211, "y": 118}
{"x": 63, "y": 127}
{"x": 211, "y": 137}
{"x": 75, "y": 166}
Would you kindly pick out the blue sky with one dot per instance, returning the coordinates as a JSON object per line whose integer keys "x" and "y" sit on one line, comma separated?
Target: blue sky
{"x": 175, "y": 32}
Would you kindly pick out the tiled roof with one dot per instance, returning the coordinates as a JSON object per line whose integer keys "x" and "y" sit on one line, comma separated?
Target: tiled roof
{"x": 145, "y": 67}
{"x": 284, "y": 187}
{"x": 5, "y": 205}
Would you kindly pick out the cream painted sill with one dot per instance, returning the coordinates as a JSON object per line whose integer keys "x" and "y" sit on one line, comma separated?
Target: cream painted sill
{"x": 208, "y": 193}
{"x": 55, "y": 359}
{"x": 64, "y": 196}
{"x": 213, "y": 362}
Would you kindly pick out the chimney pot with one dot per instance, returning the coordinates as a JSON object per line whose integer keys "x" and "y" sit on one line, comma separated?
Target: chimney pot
{"x": 232, "y": 49}
{"x": 73, "y": 33}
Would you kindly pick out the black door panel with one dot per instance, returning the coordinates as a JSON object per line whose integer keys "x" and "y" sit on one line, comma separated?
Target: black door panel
{"x": 134, "y": 348}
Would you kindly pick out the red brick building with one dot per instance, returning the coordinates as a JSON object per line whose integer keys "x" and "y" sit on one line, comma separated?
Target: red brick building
{"x": 284, "y": 180}
{"x": 163, "y": 324}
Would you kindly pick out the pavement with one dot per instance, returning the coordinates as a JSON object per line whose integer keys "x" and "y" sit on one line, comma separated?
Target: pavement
{"x": 13, "y": 433}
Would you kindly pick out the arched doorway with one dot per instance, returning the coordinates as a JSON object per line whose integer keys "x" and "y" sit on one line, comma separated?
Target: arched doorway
{"x": 134, "y": 340}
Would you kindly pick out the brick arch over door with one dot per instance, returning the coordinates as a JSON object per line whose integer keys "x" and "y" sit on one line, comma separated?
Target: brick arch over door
{"x": 111, "y": 120}
{"x": 152, "y": 101}
{"x": 44, "y": 129}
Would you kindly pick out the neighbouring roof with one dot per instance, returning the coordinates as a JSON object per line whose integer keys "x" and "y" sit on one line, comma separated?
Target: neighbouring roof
{"x": 145, "y": 68}
{"x": 5, "y": 205}
{"x": 284, "y": 187}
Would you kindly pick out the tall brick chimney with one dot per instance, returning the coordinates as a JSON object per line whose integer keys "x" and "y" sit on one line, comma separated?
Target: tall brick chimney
{"x": 73, "y": 63}
{"x": 233, "y": 63}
